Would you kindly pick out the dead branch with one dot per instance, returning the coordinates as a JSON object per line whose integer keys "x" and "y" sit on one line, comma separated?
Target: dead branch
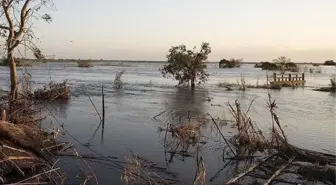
{"x": 277, "y": 173}
{"x": 35, "y": 176}
{"x": 227, "y": 143}
{"x": 233, "y": 180}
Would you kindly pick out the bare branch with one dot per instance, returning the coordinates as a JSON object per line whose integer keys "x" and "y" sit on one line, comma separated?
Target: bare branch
{"x": 24, "y": 13}
{"x": 9, "y": 19}
{"x": 4, "y": 27}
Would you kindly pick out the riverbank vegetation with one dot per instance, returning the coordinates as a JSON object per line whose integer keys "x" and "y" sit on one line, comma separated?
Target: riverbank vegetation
{"x": 260, "y": 156}
{"x": 117, "y": 80}
{"x": 282, "y": 63}
{"x": 187, "y": 66}
{"x": 26, "y": 151}
{"x": 329, "y": 63}
{"x": 84, "y": 63}
{"x": 232, "y": 63}
{"x": 53, "y": 91}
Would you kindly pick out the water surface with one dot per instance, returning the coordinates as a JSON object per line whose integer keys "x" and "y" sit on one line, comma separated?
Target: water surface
{"x": 308, "y": 116}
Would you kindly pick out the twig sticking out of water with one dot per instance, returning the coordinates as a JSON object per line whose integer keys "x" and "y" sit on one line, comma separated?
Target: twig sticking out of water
{"x": 159, "y": 114}
{"x": 239, "y": 176}
{"x": 103, "y": 106}
{"x": 200, "y": 173}
{"x": 117, "y": 81}
{"x": 139, "y": 170}
{"x": 272, "y": 106}
{"x": 277, "y": 173}
{"x": 222, "y": 135}
{"x": 248, "y": 133}
{"x": 242, "y": 83}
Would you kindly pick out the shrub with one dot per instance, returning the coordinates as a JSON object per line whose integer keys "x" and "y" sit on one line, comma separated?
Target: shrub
{"x": 329, "y": 63}
{"x": 281, "y": 64}
{"x": 187, "y": 66}
{"x": 117, "y": 81}
{"x": 267, "y": 66}
{"x": 53, "y": 91}
{"x": 230, "y": 63}
{"x": 333, "y": 81}
{"x": 84, "y": 63}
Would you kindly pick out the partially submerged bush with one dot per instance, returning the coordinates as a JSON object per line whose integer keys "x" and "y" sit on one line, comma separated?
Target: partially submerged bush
{"x": 139, "y": 170}
{"x": 117, "y": 81}
{"x": 266, "y": 66}
{"x": 53, "y": 91}
{"x": 291, "y": 66}
{"x": 329, "y": 63}
{"x": 281, "y": 63}
{"x": 85, "y": 63}
{"x": 230, "y": 63}
{"x": 315, "y": 70}
{"x": 333, "y": 81}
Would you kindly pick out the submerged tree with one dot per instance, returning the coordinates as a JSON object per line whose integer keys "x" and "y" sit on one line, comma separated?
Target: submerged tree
{"x": 187, "y": 66}
{"x": 282, "y": 61}
{"x": 230, "y": 63}
{"x": 16, "y": 21}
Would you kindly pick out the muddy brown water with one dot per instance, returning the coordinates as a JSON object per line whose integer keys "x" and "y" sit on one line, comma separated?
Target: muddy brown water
{"x": 308, "y": 117}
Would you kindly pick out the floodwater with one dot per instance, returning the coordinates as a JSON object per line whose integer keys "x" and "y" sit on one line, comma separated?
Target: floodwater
{"x": 308, "y": 117}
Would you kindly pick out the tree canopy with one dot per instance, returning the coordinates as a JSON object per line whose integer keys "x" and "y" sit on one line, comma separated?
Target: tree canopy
{"x": 224, "y": 63}
{"x": 329, "y": 63}
{"x": 187, "y": 66}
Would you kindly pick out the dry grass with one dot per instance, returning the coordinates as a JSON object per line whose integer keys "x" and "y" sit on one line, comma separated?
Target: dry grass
{"x": 141, "y": 171}
{"x": 188, "y": 133}
{"x": 280, "y": 155}
{"x": 248, "y": 133}
{"x": 22, "y": 159}
{"x": 53, "y": 91}
{"x": 200, "y": 175}
{"x": 26, "y": 150}
{"x": 84, "y": 63}
{"x": 182, "y": 140}
{"x": 24, "y": 135}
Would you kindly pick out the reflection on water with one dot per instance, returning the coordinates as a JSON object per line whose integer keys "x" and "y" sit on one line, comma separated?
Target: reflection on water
{"x": 186, "y": 103}
{"x": 308, "y": 116}
{"x": 59, "y": 108}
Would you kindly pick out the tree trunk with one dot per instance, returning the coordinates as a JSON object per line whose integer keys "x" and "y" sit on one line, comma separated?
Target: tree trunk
{"x": 193, "y": 83}
{"x": 13, "y": 77}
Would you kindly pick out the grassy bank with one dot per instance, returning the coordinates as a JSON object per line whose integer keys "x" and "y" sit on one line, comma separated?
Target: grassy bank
{"x": 27, "y": 153}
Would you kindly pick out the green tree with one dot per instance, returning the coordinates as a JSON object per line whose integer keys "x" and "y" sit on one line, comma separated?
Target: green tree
{"x": 187, "y": 66}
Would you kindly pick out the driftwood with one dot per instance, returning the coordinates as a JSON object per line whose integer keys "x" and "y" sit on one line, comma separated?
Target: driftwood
{"x": 250, "y": 137}
{"x": 233, "y": 180}
{"x": 279, "y": 171}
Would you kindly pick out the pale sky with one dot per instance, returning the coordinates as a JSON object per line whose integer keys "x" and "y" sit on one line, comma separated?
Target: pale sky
{"x": 304, "y": 30}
